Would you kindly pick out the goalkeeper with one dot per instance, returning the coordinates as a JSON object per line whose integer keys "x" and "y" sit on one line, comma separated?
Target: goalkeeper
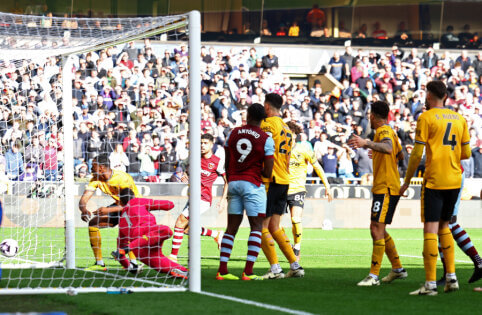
{"x": 110, "y": 182}
{"x": 301, "y": 155}
{"x": 139, "y": 233}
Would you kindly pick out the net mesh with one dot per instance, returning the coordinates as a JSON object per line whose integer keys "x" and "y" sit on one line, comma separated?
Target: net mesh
{"x": 32, "y": 184}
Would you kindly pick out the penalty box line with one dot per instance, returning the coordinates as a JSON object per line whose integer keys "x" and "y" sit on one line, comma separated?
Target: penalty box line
{"x": 254, "y": 303}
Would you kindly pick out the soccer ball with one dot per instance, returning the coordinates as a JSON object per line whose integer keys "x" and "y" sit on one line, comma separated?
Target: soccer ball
{"x": 9, "y": 248}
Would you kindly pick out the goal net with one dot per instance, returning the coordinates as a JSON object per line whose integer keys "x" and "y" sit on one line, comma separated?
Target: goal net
{"x": 70, "y": 89}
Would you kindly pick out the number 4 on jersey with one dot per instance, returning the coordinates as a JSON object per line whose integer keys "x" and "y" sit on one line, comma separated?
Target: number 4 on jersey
{"x": 446, "y": 141}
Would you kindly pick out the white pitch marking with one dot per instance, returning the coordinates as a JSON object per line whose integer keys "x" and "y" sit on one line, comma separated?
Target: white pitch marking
{"x": 258, "y": 304}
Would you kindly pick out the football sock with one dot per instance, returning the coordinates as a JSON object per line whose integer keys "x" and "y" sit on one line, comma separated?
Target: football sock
{"x": 284, "y": 244}
{"x": 465, "y": 243}
{"x": 430, "y": 256}
{"x": 267, "y": 245}
{"x": 225, "y": 253}
{"x": 254, "y": 245}
{"x": 447, "y": 243}
{"x": 208, "y": 232}
{"x": 442, "y": 258}
{"x": 96, "y": 242}
{"x": 392, "y": 254}
{"x": 377, "y": 256}
{"x": 132, "y": 257}
{"x": 297, "y": 229}
{"x": 176, "y": 241}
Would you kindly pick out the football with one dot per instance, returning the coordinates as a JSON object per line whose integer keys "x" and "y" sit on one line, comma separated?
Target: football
{"x": 9, "y": 248}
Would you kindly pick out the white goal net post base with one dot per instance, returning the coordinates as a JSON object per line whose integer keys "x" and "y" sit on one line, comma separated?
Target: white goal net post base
{"x": 48, "y": 260}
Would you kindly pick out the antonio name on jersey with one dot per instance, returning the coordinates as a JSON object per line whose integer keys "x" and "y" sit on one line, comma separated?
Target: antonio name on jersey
{"x": 249, "y": 132}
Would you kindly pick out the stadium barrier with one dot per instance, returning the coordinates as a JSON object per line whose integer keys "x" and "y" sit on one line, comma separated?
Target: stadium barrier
{"x": 350, "y": 209}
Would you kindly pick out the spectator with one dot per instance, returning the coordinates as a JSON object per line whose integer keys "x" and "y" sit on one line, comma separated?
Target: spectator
{"x": 118, "y": 159}
{"x": 270, "y": 60}
{"x": 178, "y": 176}
{"x": 477, "y": 155}
{"x": 134, "y": 166}
{"x": 294, "y": 30}
{"x": 337, "y": 67}
{"x": 363, "y": 162}
{"x": 14, "y": 161}
{"x": 378, "y": 32}
{"x": 147, "y": 162}
{"x": 51, "y": 160}
{"x": 315, "y": 18}
{"x": 329, "y": 161}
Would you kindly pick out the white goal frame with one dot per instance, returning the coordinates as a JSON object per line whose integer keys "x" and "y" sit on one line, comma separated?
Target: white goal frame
{"x": 193, "y": 22}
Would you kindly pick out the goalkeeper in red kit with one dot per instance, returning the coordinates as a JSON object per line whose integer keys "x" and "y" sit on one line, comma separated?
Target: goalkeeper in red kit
{"x": 139, "y": 233}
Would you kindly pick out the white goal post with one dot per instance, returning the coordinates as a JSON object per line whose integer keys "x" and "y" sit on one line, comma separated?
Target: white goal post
{"x": 40, "y": 212}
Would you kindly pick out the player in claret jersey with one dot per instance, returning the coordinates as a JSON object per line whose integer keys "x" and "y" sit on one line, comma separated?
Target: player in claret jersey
{"x": 249, "y": 154}
{"x": 139, "y": 233}
{"x": 211, "y": 168}
{"x": 444, "y": 135}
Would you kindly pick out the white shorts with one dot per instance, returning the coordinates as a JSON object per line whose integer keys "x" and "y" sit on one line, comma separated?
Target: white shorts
{"x": 204, "y": 205}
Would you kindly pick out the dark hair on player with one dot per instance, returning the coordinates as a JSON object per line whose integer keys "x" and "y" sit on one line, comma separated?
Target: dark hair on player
{"x": 102, "y": 159}
{"x": 274, "y": 100}
{"x": 256, "y": 112}
{"x": 125, "y": 195}
{"x": 295, "y": 128}
{"x": 380, "y": 109}
{"x": 437, "y": 88}
{"x": 207, "y": 136}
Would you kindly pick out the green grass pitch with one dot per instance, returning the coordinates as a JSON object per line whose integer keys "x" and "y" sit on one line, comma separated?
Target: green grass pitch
{"x": 334, "y": 262}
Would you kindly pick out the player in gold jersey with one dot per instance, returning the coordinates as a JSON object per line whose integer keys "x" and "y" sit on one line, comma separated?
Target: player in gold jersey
{"x": 386, "y": 186}
{"x": 277, "y": 189}
{"x": 110, "y": 182}
{"x": 444, "y": 135}
{"x": 301, "y": 155}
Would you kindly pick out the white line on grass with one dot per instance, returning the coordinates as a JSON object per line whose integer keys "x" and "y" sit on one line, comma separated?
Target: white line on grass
{"x": 420, "y": 257}
{"x": 258, "y": 304}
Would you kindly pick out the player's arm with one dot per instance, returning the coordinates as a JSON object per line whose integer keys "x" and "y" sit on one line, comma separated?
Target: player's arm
{"x": 224, "y": 198}
{"x": 101, "y": 211}
{"x": 85, "y": 214}
{"x": 466, "y": 152}
{"x": 268, "y": 158}
{"x": 384, "y": 146}
{"x": 319, "y": 171}
{"x": 157, "y": 204}
{"x": 415, "y": 158}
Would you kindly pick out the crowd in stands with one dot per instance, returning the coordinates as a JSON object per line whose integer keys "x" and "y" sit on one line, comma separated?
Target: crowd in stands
{"x": 132, "y": 102}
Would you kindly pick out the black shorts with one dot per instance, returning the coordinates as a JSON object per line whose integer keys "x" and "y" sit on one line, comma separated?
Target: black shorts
{"x": 438, "y": 204}
{"x": 297, "y": 199}
{"x": 114, "y": 217}
{"x": 383, "y": 207}
{"x": 277, "y": 199}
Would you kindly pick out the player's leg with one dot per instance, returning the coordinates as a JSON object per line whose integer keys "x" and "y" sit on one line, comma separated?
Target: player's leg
{"x": 267, "y": 241}
{"x": 154, "y": 258}
{"x": 216, "y": 235}
{"x": 465, "y": 243}
{"x": 397, "y": 272}
{"x": 296, "y": 204}
{"x": 431, "y": 213}
{"x": 377, "y": 231}
{"x": 152, "y": 236}
{"x": 235, "y": 217}
{"x": 181, "y": 224}
{"x": 255, "y": 205}
{"x": 227, "y": 243}
{"x": 446, "y": 239}
{"x": 95, "y": 224}
{"x": 278, "y": 208}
